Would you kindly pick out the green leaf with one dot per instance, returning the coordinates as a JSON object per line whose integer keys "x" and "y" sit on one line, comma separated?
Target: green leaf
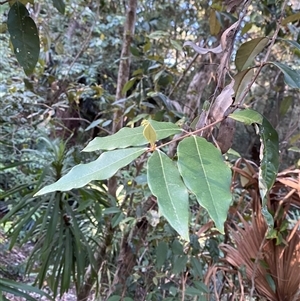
{"x": 214, "y": 25}
{"x": 179, "y": 263}
{"x": 112, "y": 210}
{"x": 269, "y": 154}
{"x": 294, "y": 149}
{"x": 122, "y": 139}
{"x": 293, "y": 43}
{"x": 291, "y": 18}
{"x": 241, "y": 82}
{"x": 158, "y": 34}
{"x": 18, "y": 289}
{"x": 192, "y": 291}
{"x": 60, "y": 6}
{"x": 197, "y": 268}
{"x": 204, "y": 172}
{"x": 134, "y": 51}
{"x": 161, "y": 254}
{"x": 291, "y": 77}
{"x": 176, "y": 45}
{"x": 201, "y": 286}
{"x": 103, "y": 168}
{"x": 247, "y": 116}
{"x": 177, "y": 247}
{"x": 129, "y": 85}
{"x": 132, "y": 137}
{"x": 285, "y": 104}
{"x": 248, "y": 51}
{"x": 114, "y": 298}
{"x": 246, "y": 28}
{"x": 271, "y": 282}
{"x": 172, "y": 196}
{"x": 149, "y": 133}
{"x": 24, "y": 37}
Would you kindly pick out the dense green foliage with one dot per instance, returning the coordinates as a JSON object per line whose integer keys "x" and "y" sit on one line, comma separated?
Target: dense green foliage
{"x": 138, "y": 214}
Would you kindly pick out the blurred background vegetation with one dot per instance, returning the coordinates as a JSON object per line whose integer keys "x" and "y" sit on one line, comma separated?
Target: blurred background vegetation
{"x": 76, "y": 238}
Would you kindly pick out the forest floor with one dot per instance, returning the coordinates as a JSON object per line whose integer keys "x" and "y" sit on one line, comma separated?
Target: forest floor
{"x": 12, "y": 267}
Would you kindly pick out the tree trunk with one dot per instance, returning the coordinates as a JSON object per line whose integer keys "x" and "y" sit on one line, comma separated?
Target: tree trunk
{"x": 124, "y": 67}
{"x": 123, "y": 76}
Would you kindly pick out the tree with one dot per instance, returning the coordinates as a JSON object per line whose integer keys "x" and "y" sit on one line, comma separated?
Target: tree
{"x": 197, "y": 176}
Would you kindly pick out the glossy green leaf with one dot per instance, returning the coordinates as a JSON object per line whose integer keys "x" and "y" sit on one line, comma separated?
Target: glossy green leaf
{"x": 291, "y": 77}
{"x": 247, "y": 116}
{"x": 24, "y": 36}
{"x": 103, "y": 168}
{"x": 172, "y": 196}
{"x": 122, "y": 139}
{"x": 248, "y": 51}
{"x": 269, "y": 155}
{"x": 59, "y": 5}
{"x": 132, "y": 137}
{"x": 241, "y": 82}
{"x": 205, "y": 173}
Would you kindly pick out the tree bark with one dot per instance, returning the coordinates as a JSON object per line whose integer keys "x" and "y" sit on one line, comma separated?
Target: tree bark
{"x": 123, "y": 76}
{"x": 124, "y": 67}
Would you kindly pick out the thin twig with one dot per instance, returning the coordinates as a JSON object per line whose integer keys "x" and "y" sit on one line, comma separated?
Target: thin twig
{"x": 183, "y": 74}
{"x": 191, "y": 133}
{"x": 184, "y": 279}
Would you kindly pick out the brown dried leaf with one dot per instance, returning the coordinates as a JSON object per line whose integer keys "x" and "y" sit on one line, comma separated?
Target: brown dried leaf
{"x": 225, "y": 135}
{"x": 281, "y": 262}
{"x": 291, "y": 182}
{"x": 222, "y": 102}
{"x": 202, "y": 122}
{"x": 202, "y": 50}
{"x": 226, "y": 34}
